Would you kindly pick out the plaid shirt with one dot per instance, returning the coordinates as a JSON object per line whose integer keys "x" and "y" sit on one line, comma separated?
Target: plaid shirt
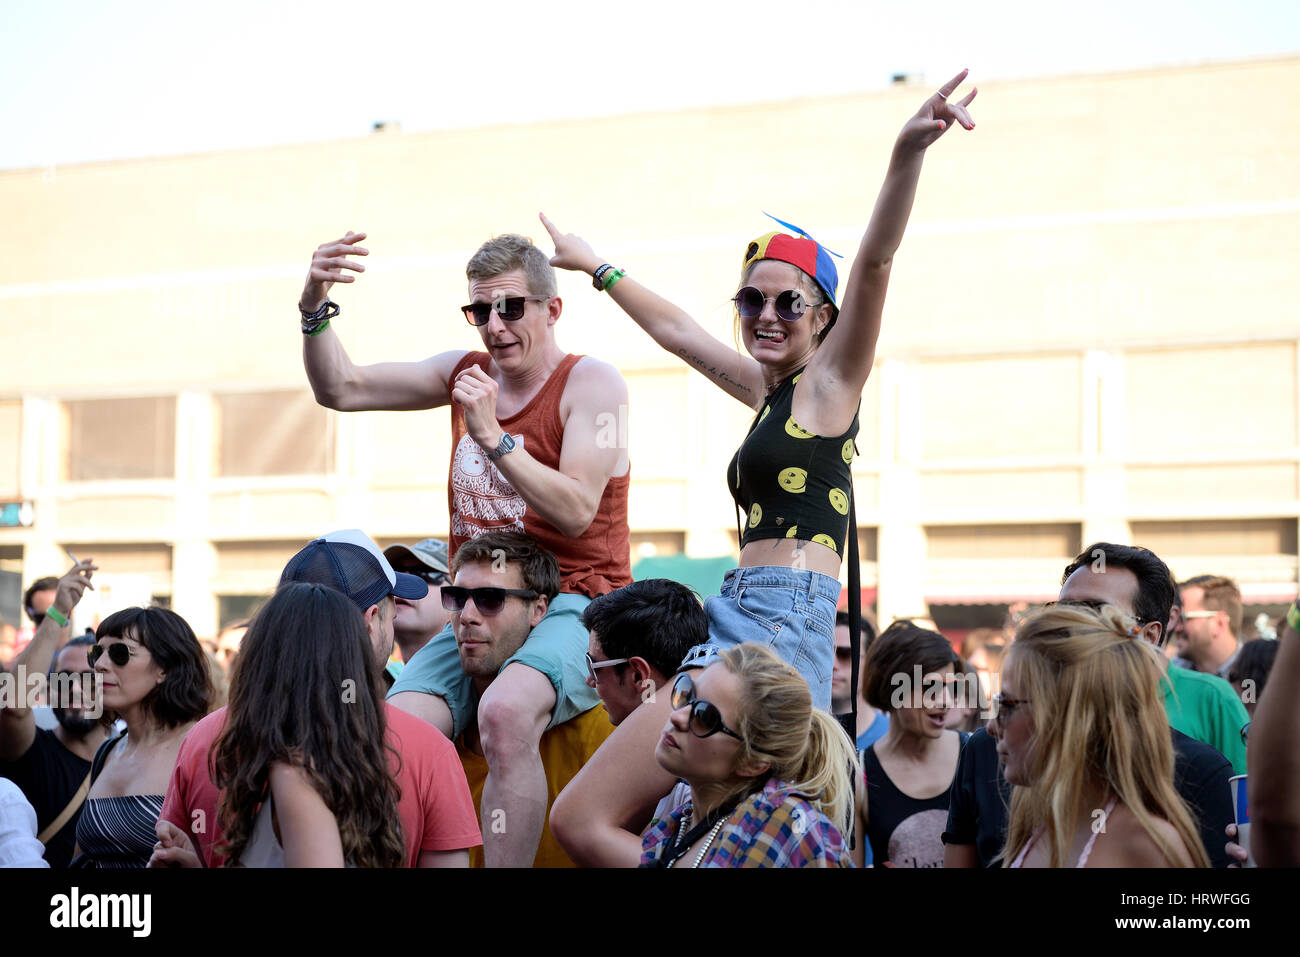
{"x": 774, "y": 827}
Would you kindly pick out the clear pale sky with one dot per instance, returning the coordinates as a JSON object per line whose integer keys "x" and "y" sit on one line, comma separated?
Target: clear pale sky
{"x": 85, "y": 81}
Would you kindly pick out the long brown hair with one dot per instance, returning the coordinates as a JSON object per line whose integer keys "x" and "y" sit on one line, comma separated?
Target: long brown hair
{"x": 1092, "y": 689}
{"x": 306, "y": 690}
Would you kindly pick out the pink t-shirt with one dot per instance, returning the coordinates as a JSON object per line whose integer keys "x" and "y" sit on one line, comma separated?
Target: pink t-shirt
{"x": 436, "y": 809}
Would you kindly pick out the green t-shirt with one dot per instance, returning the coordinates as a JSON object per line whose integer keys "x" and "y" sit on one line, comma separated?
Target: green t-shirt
{"x": 1204, "y": 707}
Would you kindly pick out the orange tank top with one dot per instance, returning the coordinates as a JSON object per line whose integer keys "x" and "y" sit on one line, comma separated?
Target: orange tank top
{"x": 480, "y": 499}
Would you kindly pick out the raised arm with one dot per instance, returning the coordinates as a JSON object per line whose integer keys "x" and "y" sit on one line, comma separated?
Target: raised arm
{"x": 339, "y": 383}
{"x": 738, "y": 375}
{"x": 18, "y": 724}
{"x": 844, "y": 360}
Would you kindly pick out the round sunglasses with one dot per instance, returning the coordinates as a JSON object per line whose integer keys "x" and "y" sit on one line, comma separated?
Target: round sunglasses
{"x": 489, "y": 601}
{"x": 119, "y": 652}
{"x": 511, "y": 309}
{"x": 790, "y": 305}
{"x": 705, "y": 719}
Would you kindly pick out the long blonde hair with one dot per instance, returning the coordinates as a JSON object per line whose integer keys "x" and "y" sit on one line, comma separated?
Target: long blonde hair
{"x": 1092, "y": 688}
{"x": 804, "y": 747}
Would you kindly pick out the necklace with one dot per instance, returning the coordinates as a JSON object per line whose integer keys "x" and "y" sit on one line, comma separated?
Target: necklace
{"x": 707, "y": 841}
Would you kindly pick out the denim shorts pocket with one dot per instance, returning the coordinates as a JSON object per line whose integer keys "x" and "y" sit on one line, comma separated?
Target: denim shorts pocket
{"x": 814, "y": 657}
{"x": 769, "y": 608}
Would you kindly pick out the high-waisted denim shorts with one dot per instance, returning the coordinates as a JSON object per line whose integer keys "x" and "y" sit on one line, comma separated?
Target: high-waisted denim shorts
{"x": 791, "y": 610}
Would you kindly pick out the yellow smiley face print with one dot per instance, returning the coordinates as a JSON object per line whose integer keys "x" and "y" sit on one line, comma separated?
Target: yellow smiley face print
{"x": 794, "y": 530}
{"x": 792, "y": 429}
{"x": 755, "y": 514}
{"x": 839, "y": 501}
{"x": 793, "y": 480}
{"x": 825, "y": 540}
{"x": 847, "y": 452}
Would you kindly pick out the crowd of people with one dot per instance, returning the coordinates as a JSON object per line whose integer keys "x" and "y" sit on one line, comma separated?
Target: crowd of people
{"x": 512, "y": 698}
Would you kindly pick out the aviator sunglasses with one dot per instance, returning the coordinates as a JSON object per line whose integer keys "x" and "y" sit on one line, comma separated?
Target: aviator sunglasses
{"x": 511, "y": 309}
{"x": 790, "y": 305}
{"x": 705, "y": 719}
{"x": 118, "y": 652}
{"x": 489, "y": 601}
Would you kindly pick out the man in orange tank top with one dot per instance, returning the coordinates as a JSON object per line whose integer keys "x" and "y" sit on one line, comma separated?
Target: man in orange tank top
{"x": 535, "y": 448}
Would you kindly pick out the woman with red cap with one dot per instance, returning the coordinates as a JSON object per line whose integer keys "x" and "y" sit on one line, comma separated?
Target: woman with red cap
{"x": 803, "y": 376}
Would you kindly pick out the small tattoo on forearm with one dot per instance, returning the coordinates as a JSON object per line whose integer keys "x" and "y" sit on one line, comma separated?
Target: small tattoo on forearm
{"x": 713, "y": 371}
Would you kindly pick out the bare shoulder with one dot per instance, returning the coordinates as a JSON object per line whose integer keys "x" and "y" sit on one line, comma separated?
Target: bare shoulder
{"x": 444, "y": 362}
{"x": 1130, "y": 844}
{"x": 595, "y": 382}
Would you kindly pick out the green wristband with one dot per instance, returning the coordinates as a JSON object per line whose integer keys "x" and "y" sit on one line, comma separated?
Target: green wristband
{"x": 613, "y": 277}
{"x": 317, "y": 330}
{"x": 1293, "y": 616}
{"x": 57, "y": 615}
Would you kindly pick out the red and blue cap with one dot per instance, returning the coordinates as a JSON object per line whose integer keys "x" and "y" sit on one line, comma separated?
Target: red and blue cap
{"x": 802, "y": 252}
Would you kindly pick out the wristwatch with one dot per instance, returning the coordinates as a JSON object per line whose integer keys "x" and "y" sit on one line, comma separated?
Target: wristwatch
{"x": 504, "y": 447}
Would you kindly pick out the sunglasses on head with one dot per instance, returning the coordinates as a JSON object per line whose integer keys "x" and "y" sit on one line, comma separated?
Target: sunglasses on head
{"x": 511, "y": 309}
{"x": 489, "y": 601}
{"x": 790, "y": 305}
{"x": 1093, "y": 604}
{"x": 705, "y": 719}
{"x": 119, "y": 652}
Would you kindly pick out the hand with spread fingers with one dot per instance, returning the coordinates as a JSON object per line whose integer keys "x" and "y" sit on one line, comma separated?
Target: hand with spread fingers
{"x": 73, "y": 583}
{"x": 328, "y": 265}
{"x": 937, "y": 114}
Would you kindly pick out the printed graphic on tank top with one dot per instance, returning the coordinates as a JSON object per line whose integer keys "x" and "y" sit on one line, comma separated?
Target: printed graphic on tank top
{"x": 903, "y": 830}
{"x": 483, "y": 500}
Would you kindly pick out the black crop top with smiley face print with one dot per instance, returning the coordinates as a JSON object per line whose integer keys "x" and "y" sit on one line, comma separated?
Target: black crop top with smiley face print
{"x": 791, "y": 483}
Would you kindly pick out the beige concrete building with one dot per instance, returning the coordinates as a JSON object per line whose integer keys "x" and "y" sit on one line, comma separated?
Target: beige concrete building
{"x": 1090, "y": 334}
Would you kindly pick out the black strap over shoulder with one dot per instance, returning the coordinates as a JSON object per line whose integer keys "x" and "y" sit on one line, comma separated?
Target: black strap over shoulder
{"x": 101, "y": 756}
{"x": 850, "y": 720}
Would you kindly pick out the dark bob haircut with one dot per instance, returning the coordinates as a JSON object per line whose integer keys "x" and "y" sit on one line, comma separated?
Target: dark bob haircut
{"x": 897, "y": 652}
{"x": 185, "y": 693}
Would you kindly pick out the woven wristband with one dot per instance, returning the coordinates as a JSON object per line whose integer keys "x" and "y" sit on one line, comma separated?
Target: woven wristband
{"x": 612, "y": 278}
{"x": 1293, "y": 616}
{"x": 57, "y": 615}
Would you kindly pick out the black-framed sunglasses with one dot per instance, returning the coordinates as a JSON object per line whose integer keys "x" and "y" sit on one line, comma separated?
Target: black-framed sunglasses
{"x": 790, "y": 305}
{"x": 489, "y": 601}
{"x": 119, "y": 652}
{"x": 1004, "y": 707}
{"x": 430, "y": 576}
{"x": 510, "y": 308}
{"x": 705, "y": 719}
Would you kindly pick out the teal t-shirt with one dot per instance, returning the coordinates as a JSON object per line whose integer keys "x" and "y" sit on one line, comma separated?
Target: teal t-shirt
{"x": 1204, "y": 707}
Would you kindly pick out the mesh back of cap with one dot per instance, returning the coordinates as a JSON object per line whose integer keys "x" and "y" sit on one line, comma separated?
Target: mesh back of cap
{"x": 338, "y": 565}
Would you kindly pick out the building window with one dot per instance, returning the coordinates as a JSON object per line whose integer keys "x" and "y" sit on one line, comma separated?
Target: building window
{"x": 656, "y": 544}
{"x": 272, "y": 433}
{"x": 1001, "y": 542}
{"x": 1235, "y": 537}
{"x": 120, "y": 439}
